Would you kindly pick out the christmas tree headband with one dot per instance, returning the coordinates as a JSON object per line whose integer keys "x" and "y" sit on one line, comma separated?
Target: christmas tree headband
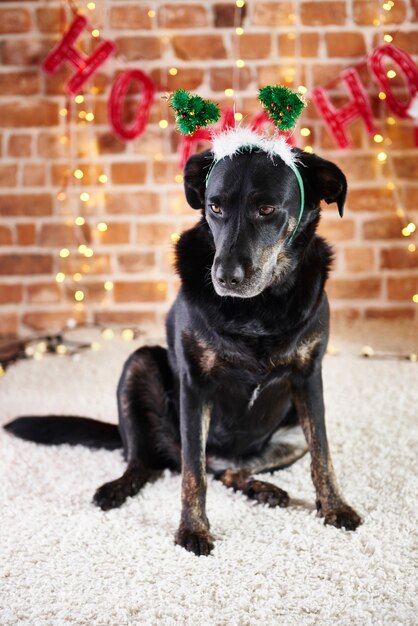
{"x": 282, "y": 105}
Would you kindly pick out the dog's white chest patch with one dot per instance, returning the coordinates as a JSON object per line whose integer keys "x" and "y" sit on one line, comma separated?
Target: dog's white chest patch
{"x": 254, "y": 396}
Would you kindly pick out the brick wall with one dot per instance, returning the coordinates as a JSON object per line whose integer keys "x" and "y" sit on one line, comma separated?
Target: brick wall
{"x": 142, "y": 203}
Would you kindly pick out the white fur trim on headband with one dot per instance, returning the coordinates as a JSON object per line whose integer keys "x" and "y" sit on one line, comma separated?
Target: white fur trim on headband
{"x": 233, "y": 141}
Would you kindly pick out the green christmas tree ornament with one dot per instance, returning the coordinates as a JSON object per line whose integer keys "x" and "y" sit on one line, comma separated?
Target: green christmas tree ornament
{"x": 192, "y": 112}
{"x": 281, "y": 104}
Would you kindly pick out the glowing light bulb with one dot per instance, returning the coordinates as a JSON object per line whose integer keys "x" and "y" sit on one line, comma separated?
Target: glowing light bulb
{"x": 151, "y": 13}
{"x": 127, "y": 334}
{"x": 238, "y": 116}
{"x": 173, "y": 71}
{"x": 305, "y": 132}
{"x": 411, "y": 227}
{"x": 174, "y": 237}
{"x": 60, "y": 277}
{"x": 80, "y": 221}
{"x": 89, "y": 117}
{"x": 415, "y": 297}
{"x": 82, "y": 248}
{"x": 63, "y": 112}
{"x": 77, "y": 277}
{"x": 79, "y": 99}
{"x": 240, "y": 3}
{"x": 382, "y": 156}
{"x": 239, "y": 30}
{"x": 61, "y": 196}
{"x": 91, "y": 6}
{"x": 240, "y": 63}
{"x": 178, "y": 178}
{"x": 95, "y": 32}
{"x": 406, "y": 232}
{"x": 163, "y": 123}
{"x": 79, "y": 295}
{"x": 64, "y": 253}
{"x": 229, "y": 92}
{"x": 378, "y": 138}
{"x": 102, "y": 178}
{"x": 84, "y": 196}
{"x": 412, "y": 247}
{"x": 302, "y": 89}
{"x": 391, "y": 73}
{"x": 102, "y": 227}
{"x": 308, "y": 149}
{"x": 88, "y": 252}
{"x": 388, "y": 38}
{"x": 382, "y": 95}
{"x": 79, "y": 174}
{"x": 108, "y": 285}
{"x": 107, "y": 333}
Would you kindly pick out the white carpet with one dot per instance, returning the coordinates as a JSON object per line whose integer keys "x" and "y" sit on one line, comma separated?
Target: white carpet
{"x": 63, "y": 561}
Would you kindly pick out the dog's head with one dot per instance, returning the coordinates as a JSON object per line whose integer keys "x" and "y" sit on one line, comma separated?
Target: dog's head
{"x": 251, "y": 202}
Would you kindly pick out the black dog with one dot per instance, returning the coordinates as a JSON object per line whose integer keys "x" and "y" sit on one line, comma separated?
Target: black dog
{"x": 246, "y": 337}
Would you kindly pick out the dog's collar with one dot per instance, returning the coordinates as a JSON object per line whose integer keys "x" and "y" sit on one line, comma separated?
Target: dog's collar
{"x": 234, "y": 142}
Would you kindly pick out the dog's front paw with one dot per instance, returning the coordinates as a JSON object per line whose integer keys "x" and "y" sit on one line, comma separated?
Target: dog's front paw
{"x": 198, "y": 541}
{"x": 110, "y": 495}
{"x": 266, "y": 493}
{"x": 342, "y": 516}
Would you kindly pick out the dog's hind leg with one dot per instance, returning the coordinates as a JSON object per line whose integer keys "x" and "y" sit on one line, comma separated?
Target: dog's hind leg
{"x": 260, "y": 490}
{"x": 147, "y": 424}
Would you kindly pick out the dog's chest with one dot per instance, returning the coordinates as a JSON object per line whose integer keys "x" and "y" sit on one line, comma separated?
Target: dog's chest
{"x": 259, "y": 357}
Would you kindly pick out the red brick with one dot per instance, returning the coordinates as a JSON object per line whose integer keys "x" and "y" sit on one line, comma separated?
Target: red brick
{"x": 370, "y": 199}
{"x": 48, "y": 20}
{"x": 34, "y": 175}
{"x": 136, "y": 262}
{"x": 128, "y": 16}
{"x": 19, "y": 83}
{"x": 309, "y": 45}
{"x": 365, "y": 12}
{"x": 323, "y": 13}
{"x": 410, "y": 195}
{"x": 49, "y": 146}
{"x": 27, "y": 52}
{"x": 189, "y": 78}
{"x": 343, "y": 315}
{"x": 336, "y": 229}
{"x": 8, "y": 175}
{"x": 226, "y": 15}
{"x": 14, "y": 21}
{"x": 182, "y": 16}
{"x": 359, "y": 259}
{"x": 406, "y": 166}
{"x": 154, "y": 234}
{"x": 10, "y": 294}
{"x": 251, "y": 46}
{"x": 115, "y": 234}
{"x": 140, "y": 291}
{"x": 128, "y": 173}
{"x": 390, "y": 314}
{"x": 21, "y": 264}
{"x": 97, "y": 264}
{"x": 31, "y": 204}
{"x": 43, "y": 293}
{"x": 20, "y": 145}
{"x": 139, "y": 48}
{"x": 24, "y": 114}
{"x": 8, "y": 324}
{"x": 398, "y": 258}
{"x": 355, "y": 132}
{"x": 93, "y": 291}
{"x": 402, "y": 287}
{"x": 58, "y": 235}
{"x": 356, "y": 167}
{"x": 5, "y": 236}
{"x": 136, "y": 203}
{"x": 26, "y": 234}
{"x": 109, "y": 144}
{"x": 273, "y": 14}
{"x": 323, "y": 73}
{"x": 407, "y": 41}
{"x": 383, "y": 228}
{"x": 127, "y": 318}
{"x": 222, "y": 78}
{"x": 193, "y": 47}
{"x": 354, "y": 289}
{"x": 345, "y": 44}
{"x": 53, "y": 321}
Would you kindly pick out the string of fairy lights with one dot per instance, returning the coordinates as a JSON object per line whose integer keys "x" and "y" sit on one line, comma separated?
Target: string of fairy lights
{"x": 80, "y": 196}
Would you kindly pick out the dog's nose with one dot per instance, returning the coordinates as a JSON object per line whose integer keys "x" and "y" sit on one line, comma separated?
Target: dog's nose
{"x": 229, "y": 278}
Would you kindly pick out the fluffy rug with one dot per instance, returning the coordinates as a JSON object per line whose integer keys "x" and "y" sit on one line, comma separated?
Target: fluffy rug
{"x": 63, "y": 561}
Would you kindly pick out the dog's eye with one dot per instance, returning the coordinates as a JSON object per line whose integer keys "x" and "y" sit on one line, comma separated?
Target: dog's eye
{"x": 215, "y": 209}
{"x": 266, "y": 210}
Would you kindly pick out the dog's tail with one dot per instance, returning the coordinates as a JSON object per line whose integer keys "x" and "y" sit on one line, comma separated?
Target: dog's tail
{"x": 57, "y": 429}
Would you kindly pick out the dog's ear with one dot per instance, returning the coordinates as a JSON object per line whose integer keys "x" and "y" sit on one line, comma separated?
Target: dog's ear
{"x": 195, "y": 172}
{"x": 326, "y": 180}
